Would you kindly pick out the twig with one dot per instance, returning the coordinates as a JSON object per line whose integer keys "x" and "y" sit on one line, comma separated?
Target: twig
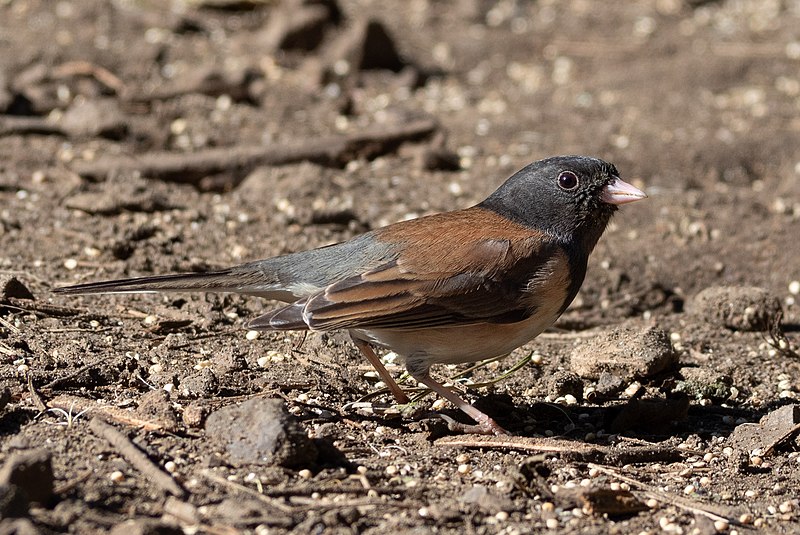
{"x": 332, "y": 150}
{"x": 579, "y": 451}
{"x": 136, "y": 457}
{"x": 12, "y": 126}
{"x": 36, "y": 399}
{"x": 667, "y": 497}
{"x": 84, "y": 68}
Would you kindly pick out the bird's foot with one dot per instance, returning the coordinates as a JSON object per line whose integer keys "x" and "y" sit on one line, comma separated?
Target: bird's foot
{"x": 485, "y": 427}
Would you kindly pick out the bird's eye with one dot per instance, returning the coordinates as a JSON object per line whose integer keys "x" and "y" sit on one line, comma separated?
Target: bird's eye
{"x": 567, "y": 181}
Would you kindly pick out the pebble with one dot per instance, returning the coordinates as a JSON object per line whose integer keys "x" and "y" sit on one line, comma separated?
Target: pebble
{"x": 628, "y": 352}
{"x": 741, "y": 308}
{"x": 260, "y": 431}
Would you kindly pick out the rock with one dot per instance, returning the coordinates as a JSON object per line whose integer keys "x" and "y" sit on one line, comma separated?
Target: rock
{"x": 703, "y": 383}
{"x": 203, "y": 384}
{"x": 486, "y": 500}
{"x": 98, "y": 117}
{"x": 261, "y": 431}
{"x": 625, "y": 352}
{"x": 12, "y": 287}
{"x": 32, "y": 472}
{"x": 774, "y": 428}
{"x": 155, "y": 405}
{"x": 741, "y": 308}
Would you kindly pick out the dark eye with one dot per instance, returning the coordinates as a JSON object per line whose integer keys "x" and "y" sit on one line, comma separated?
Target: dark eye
{"x": 567, "y": 181}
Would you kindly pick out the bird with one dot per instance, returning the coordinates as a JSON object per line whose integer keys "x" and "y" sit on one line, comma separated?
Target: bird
{"x": 453, "y": 287}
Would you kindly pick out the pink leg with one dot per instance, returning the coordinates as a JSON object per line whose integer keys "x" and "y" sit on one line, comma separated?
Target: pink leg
{"x": 486, "y": 426}
{"x": 386, "y": 377}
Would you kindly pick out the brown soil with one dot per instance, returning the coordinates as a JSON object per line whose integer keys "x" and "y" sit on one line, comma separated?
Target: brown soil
{"x": 697, "y": 101}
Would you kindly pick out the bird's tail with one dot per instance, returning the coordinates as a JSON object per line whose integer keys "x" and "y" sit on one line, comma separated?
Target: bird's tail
{"x": 225, "y": 280}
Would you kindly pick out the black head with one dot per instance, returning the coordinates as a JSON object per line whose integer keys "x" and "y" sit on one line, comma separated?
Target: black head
{"x": 571, "y": 198}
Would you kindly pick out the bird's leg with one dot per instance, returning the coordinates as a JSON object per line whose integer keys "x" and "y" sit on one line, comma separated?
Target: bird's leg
{"x": 485, "y": 424}
{"x": 386, "y": 377}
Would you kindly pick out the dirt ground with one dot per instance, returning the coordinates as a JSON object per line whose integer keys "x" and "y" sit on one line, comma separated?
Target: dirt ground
{"x": 142, "y": 137}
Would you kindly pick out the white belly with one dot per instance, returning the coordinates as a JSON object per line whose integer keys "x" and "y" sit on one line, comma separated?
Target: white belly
{"x": 453, "y": 345}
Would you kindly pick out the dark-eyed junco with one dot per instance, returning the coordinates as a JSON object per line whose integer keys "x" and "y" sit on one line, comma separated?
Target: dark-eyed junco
{"x": 448, "y": 288}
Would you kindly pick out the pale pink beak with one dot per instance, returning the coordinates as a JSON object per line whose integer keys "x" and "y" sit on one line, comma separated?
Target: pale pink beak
{"x": 620, "y": 192}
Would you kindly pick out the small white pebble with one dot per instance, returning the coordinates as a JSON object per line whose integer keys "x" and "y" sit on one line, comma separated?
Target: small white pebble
{"x": 551, "y": 523}
{"x": 746, "y": 518}
{"x": 794, "y": 287}
{"x": 423, "y": 512}
{"x": 305, "y": 473}
{"x": 464, "y": 469}
{"x": 501, "y": 516}
{"x": 569, "y": 399}
{"x": 116, "y": 476}
{"x": 548, "y": 507}
{"x": 169, "y": 387}
{"x": 689, "y": 489}
{"x": 170, "y": 467}
{"x": 263, "y": 362}
{"x": 70, "y": 263}
{"x": 652, "y": 503}
{"x": 721, "y": 525}
{"x": 705, "y": 481}
{"x": 391, "y": 470}
{"x": 462, "y": 458}
{"x": 23, "y": 368}
{"x": 252, "y": 335}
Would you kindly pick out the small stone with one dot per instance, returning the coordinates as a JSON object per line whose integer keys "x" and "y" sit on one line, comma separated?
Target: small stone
{"x": 261, "y": 431}
{"x": 12, "y": 287}
{"x": 628, "y": 352}
{"x": 741, "y": 308}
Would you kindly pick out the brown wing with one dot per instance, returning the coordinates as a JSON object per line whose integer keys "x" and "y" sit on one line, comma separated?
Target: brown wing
{"x": 448, "y": 277}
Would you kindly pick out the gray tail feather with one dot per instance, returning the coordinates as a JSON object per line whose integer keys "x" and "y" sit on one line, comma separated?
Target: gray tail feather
{"x": 213, "y": 281}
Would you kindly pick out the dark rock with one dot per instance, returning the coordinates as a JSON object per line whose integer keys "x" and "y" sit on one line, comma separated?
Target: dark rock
{"x": 12, "y": 287}
{"x": 261, "y": 431}
{"x": 32, "y": 472}
{"x": 741, "y": 308}
{"x": 203, "y": 384}
{"x": 627, "y": 352}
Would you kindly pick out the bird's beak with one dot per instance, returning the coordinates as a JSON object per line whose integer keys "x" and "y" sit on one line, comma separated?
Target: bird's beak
{"x": 620, "y": 192}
